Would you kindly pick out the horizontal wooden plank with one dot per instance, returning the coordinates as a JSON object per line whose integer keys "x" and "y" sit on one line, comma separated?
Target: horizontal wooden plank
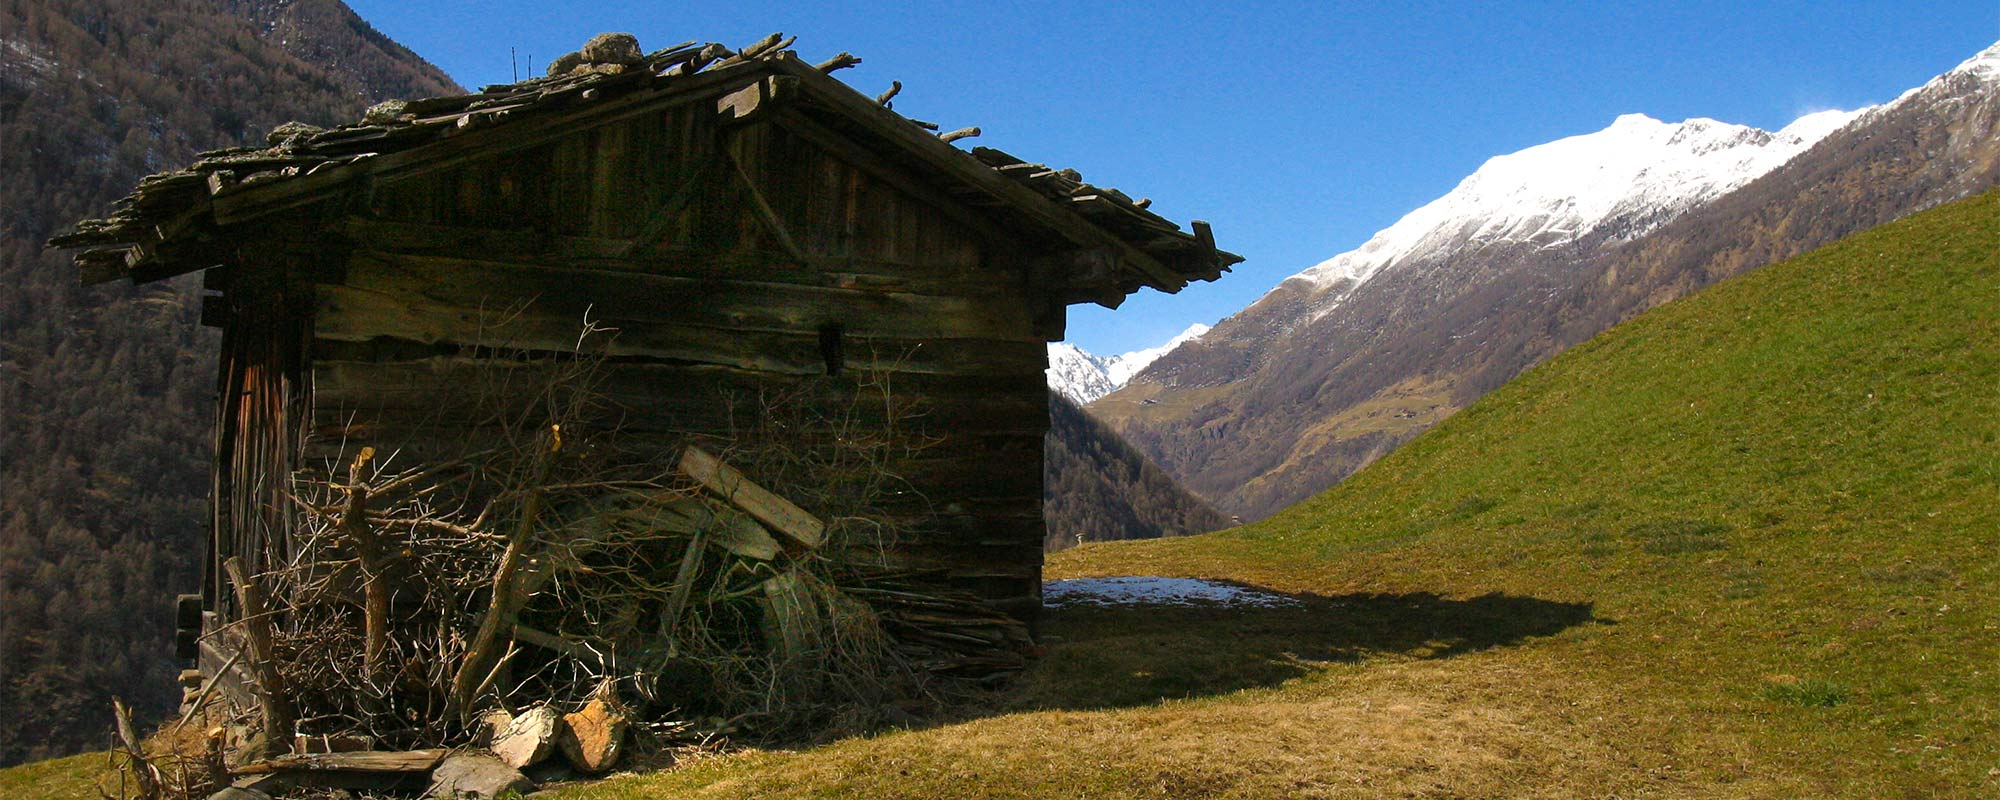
{"x": 633, "y": 299}
{"x": 984, "y": 468}
{"x": 361, "y": 316}
{"x": 788, "y": 355}
{"x": 533, "y": 247}
{"x": 649, "y": 398}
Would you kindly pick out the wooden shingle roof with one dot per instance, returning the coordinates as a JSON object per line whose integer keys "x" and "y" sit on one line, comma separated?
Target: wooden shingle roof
{"x": 173, "y": 222}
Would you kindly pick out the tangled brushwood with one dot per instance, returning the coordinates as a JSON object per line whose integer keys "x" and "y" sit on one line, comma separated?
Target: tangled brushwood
{"x": 735, "y": 584}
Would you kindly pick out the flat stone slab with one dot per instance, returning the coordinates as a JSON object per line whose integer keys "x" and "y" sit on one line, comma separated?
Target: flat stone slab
{"x": 476, "y": 775}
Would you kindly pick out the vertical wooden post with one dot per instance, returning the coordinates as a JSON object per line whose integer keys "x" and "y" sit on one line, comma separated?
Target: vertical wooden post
{"x": 274, "y": 703}
{"x": 368, "y": 550}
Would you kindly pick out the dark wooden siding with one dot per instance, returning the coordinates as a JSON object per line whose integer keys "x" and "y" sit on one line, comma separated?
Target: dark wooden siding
{"x": 722, "y": 256}
{"x": 262, "y": 392}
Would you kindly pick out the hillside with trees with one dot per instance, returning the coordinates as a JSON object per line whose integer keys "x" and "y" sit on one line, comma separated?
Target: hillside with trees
{"x": 1098, "y": 488}
{"x": 106, "y": 393}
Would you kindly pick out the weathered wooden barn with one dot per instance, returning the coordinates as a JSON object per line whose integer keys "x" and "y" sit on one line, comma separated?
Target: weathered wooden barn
{"x": 742, "y": 220}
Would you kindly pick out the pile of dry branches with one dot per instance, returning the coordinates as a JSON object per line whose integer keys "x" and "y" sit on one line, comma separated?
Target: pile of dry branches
{"x": 422, "y": 588}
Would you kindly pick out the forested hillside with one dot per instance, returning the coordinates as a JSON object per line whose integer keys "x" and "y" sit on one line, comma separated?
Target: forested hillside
{"x": 1098, "y": 488}
{"x": 105, "y": 393}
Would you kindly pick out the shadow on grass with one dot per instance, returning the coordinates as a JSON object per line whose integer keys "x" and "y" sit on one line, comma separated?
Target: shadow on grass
{"x": 1107, "y": 657}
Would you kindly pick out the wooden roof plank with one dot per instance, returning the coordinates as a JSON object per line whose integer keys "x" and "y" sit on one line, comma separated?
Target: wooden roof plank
{"x": 961, "y": 166}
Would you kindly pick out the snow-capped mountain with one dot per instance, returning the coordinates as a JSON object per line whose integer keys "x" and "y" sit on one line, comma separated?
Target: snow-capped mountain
{"x": 1082, "y": 376}
{"x": 1535, "y": 251}
{"x": 1633, "y": 177}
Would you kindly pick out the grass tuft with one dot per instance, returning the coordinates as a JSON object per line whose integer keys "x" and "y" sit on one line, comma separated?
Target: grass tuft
{"x": 1808, "y": 693}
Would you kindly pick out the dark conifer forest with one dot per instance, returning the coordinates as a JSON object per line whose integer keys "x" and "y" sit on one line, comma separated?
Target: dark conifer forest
{"x": 106, "y": 392}
{"x": 1098, "y": 488}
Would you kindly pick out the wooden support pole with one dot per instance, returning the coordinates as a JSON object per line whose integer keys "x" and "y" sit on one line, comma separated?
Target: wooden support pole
{"x": 368, "y": 550}
{"x": 496, "y": 627}
{"x": 143, "y": 771}
{"x": 257, "y": 639}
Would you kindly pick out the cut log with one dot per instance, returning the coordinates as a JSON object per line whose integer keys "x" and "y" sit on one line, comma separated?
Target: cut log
{"x": 777, "y": 513}
{"x": 789, "y": 617}
{"x": 593, "y": 739}
{"x": 529, "y": 738}
{"x": 838, "y": 62}
{"x": 895, "y": 88}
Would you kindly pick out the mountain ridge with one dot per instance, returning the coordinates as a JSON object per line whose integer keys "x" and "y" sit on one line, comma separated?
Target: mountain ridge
{"x": 1082, "y": 376}
{"x": 1306, "y": 394}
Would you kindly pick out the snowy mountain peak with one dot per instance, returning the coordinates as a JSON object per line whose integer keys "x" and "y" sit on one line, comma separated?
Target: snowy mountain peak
{"x": 1638, "y": 173}
{"x": 1082, "y": 377}
{"x": 1985, "y": 65}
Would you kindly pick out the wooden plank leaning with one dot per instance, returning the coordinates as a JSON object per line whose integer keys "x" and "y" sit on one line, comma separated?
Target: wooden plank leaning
{"x": 777, "y": 513}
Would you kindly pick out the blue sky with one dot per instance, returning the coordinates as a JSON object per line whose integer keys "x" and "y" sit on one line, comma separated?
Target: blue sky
{"x": 1297, "y": 129}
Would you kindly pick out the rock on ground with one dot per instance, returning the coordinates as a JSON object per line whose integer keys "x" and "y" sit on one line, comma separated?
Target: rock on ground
{"x": 476, "y": 775}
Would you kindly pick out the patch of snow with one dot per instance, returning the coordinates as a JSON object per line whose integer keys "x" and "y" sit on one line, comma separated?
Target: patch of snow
{"x": 1081, "y": 376}
{"x": 33, "y": 64}
{"x": 1121, "y": 368}
{"x": 1145, "y": 590}
{"x": 1985, "y": 65}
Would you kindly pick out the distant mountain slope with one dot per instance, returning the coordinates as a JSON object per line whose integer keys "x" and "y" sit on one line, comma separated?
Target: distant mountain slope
{"x": 1082, "y": 376}
{"x": 106, "y": 394}
{"x": 1353, "y": 357}
{"x": 1097, "y": 488}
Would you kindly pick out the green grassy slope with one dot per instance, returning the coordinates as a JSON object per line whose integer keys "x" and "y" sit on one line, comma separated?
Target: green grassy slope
{"x": 1742, "y": 546}
{"x": 1782, "y": 494}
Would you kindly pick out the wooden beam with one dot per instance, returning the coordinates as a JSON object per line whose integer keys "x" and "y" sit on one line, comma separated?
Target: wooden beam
{"x": 783, "y": 518}
{"x": 768, "y": 215}
{"x": 362, "y": 761}
{"x": 522, "y": 247}
{"x": 462, "y": 287}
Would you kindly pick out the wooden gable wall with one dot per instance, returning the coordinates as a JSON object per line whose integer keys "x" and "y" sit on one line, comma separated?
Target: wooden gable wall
{"x": 723, "y": 256}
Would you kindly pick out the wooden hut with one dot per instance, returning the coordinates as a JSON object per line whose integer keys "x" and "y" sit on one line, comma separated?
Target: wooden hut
{"x": 742, "y": 219}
